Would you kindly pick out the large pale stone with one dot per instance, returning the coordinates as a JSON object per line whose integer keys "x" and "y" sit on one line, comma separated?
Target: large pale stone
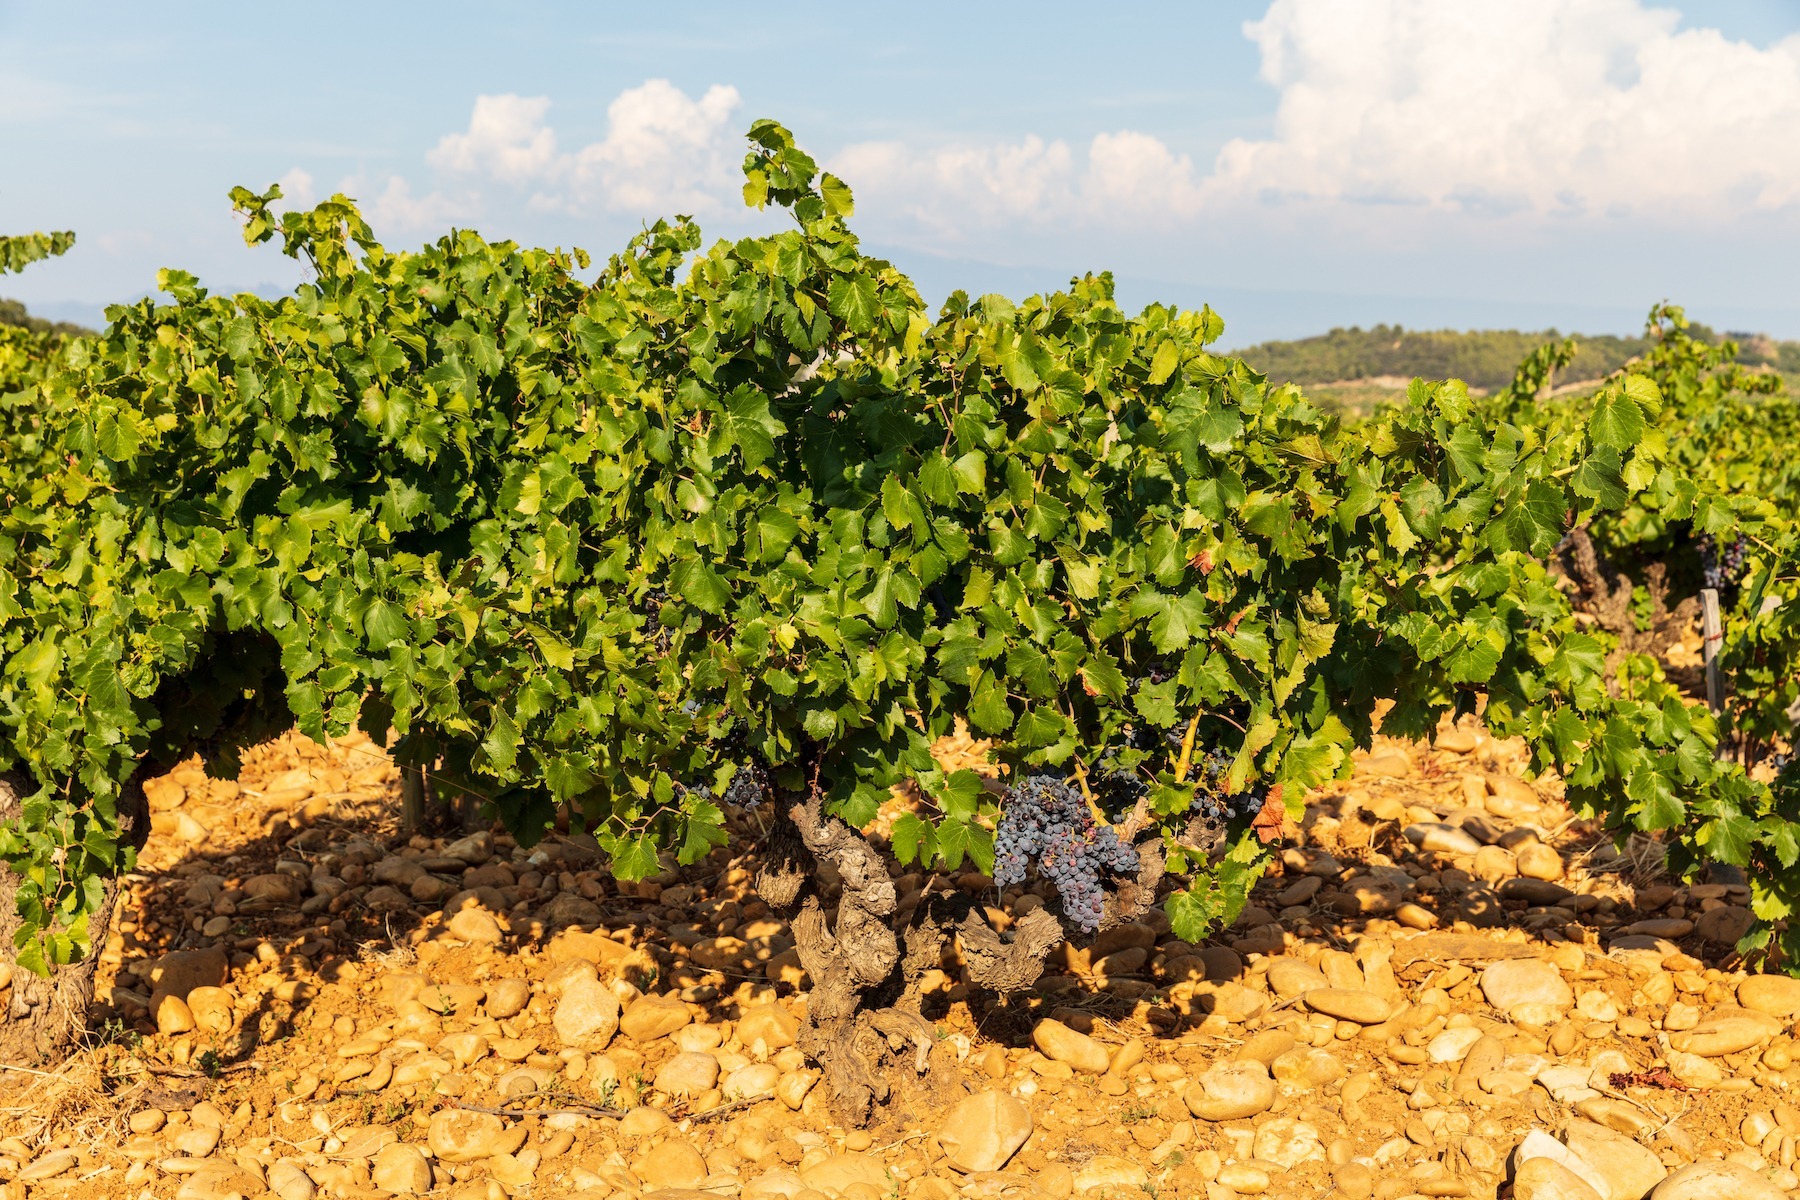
{"x": 1527, "y": 990}
{"x": 1722, "y": 1180}
{"x": 1289, "y": 1142}
{"x": 688, "y": 1074}
{"x": 172, "y": 1015}
{"x": 401, "y": 1168}
{"x": 1777, "y": 995}
{"x": 457, "y": 1135}
{"x": 840, "y": 1171}
{"x": 1726, "y": 1031}
{"x": 289, "y": 1181}
{"x": 766, "y": 1028}
{"x": 750, "y": 1080}
{"x": 181, "y": 971}
{"x": 1547, "y": 1179}
{"x": 673, "y": 1164}
{"x": 475, "y": 926}
{"x": 982, "y": 1132}
{"x": 651, "y": 1017}
{"x": 587, "y": 1016}
{"x": 1540, "y": 1146}
{"x": 1346, "y": 1004}
{"x": 1629, "y": 1168}
{"x": 1289, "y": 977}
{"x": 1538, "y": 861}
{"x": 1111, "y": 1172}
{"x": 1231, "y": 1092}
{"x": 1435, "y": 837}
{"x": 772, "y": 1184}
{"x": 1059, "y": 1043}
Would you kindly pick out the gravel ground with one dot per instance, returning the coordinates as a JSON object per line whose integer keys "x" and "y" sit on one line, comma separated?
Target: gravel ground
{"x": 1448, "y": 986}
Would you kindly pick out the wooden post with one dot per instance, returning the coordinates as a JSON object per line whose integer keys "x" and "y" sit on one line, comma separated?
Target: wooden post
{"x": 1712, "y": 630}
{"x": 1712, "y": 637}
{"x": 412, "y": 800}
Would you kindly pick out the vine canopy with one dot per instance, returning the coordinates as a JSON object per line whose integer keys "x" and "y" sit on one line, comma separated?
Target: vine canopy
{"x": 607, "y": 544}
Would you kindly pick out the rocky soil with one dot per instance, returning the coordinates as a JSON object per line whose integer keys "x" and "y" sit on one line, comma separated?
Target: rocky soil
{"x": 1447, "y": 987}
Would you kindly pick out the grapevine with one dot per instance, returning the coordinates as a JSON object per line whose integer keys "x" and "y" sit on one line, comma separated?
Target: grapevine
{"x": 749, "y": 520}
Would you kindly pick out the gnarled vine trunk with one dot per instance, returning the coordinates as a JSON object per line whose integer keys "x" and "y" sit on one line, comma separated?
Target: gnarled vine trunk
{"x": 882, "y": 1059}
{"x": 44, "y": 1018}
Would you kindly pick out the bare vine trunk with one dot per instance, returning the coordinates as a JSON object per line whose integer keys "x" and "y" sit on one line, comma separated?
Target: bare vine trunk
{"x": 1608, "y": 597}
{"x": 864, "y": 1025}
{"x": 44, "y": 1019}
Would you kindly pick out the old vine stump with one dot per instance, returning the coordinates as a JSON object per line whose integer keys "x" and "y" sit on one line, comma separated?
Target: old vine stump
{"x": 45, "y": 1018}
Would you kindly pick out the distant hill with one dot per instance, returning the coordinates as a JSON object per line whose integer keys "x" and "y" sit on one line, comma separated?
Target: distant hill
{"x": 1384, "y": 357}
{"x": 13, "y": 313}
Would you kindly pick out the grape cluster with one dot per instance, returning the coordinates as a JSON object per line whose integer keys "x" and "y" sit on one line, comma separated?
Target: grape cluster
{"x": 651, "y": 604}
{"x": 1046, "y": 820}
{"x": 1721, "y": 571}
{"x": 1213, "y": 805}
{"x": 747, "y": 787}
{"x": 1117, "y": 788}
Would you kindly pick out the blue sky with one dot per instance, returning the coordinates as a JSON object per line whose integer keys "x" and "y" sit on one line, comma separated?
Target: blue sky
{"x": 1297, "y": 163}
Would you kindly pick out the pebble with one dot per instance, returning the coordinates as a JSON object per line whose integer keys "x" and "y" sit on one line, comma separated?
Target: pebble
{"x": 172, "y": 1015}
{"x": 1058, "y": 1043}
{"x": 476, "y": 926}
{"x": 982, "y": 1132}
{"x": 766, "y": 1028}
{"x": 1538, "y": 861}
{"x": 1290, "y": 977}
{"x": 751, "y": 1080}
{"x": 1244, "y": 1179}
{"x": 1541, "y": 1147}
{"x": 289, "y": 1180}
{"x": 506, "y": 998}
{"x": 48, "y": 1166}
{"x": 1231, "y": 1092}
{"x": 1288, "y": 1142}
{"x": 1724, "y": 926}
{"x": 1452, "y": 1045}
{"x": 1438, "y": 838}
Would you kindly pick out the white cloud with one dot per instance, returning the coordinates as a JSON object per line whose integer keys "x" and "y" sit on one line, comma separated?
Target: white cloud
{"x": 507, "y": 139}
{"x": 297, "y": 190}
{"x": 959, "y": 189}
{"x": 1532, "y": 109}
{"x": 662, "y": 151}
{"x": 1554, "y": 107}
{"x": 395, "y": 207}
